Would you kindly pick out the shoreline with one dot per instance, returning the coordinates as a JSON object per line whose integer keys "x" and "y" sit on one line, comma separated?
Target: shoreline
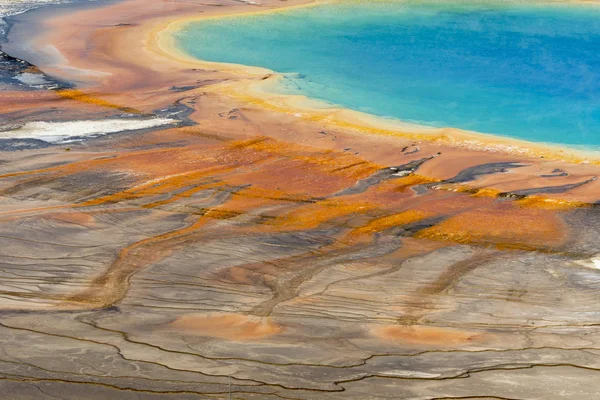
{"x": 136, "y": 71}
{"x": 256, "y": 90}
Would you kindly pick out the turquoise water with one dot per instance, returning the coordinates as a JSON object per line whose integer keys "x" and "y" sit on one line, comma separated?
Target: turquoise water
{"x": 529, "y": 72}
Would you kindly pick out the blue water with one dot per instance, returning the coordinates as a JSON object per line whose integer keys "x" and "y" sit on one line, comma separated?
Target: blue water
{"x": 525, "y": 71}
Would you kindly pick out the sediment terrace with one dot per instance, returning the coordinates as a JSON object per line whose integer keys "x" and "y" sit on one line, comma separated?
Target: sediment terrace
{"x": 256, "y": 253}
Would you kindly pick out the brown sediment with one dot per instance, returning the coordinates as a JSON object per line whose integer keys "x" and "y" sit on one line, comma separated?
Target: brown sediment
{"x": 76, "y": 218}
{"x": 80, "y": 96}
{"x": 312, "y": 215}
{"x": 551, "y": 204}
{"x": 428, "y": 335}
{"x": 381, "y": 224}
{"x": 231, "y": 327}
{"x": 502, "y": 226}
